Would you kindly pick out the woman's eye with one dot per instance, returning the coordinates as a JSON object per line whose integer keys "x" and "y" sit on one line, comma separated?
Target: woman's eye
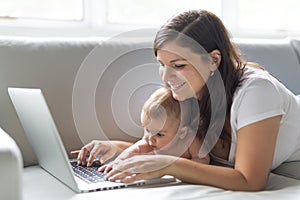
{"x": 179, "y": 65}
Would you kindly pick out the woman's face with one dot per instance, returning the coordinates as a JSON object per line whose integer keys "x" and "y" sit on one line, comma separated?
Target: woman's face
{"x": 182, "y": 70}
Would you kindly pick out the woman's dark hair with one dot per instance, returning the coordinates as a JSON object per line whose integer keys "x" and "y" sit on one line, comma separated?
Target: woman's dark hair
{"x": 208, "y": 31}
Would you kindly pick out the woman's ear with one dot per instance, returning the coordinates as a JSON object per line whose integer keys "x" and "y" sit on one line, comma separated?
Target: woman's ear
{"x": 183, "y": 132}
{"x": 216, "y": 59}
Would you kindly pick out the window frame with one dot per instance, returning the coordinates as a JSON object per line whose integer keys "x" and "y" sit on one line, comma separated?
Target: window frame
{"x": 94, "y": 24}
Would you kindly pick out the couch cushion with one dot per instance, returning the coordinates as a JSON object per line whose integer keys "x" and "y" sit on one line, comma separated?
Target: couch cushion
{"x": 277, "y": 56}
{"x": 47, "y": 63}
{"x": 296, "y": 45}
{"x": 116, "y": 78}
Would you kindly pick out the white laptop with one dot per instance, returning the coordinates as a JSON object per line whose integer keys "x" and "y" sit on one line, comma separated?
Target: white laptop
{"x": 41, "y": 131}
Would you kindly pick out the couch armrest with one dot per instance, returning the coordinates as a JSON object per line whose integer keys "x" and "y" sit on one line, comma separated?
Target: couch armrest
{"x": 10, "y": 168}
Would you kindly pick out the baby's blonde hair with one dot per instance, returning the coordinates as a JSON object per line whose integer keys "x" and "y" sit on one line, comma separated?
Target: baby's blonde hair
{"x": 161, "y": 103}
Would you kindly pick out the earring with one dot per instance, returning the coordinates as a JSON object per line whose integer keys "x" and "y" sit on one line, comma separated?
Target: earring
{"x": 214, "y": 62}
{"x": 212, "y": 73}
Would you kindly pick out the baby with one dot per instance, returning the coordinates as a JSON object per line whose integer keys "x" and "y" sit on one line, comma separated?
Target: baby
{"x": 167, "y": 128}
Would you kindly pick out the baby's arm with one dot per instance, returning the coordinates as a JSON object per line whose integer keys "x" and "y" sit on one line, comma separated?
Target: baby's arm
{"x": 194, "y": 152}
{"x": 139, "y": 147}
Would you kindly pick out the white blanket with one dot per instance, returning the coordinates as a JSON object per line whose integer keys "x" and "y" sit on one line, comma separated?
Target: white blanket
{"x": 38, "y": 184}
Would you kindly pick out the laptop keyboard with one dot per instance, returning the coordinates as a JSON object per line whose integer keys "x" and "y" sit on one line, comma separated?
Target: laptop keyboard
{"x": 88, "y": 174}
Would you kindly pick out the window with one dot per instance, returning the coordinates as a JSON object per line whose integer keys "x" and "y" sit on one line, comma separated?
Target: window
{"x": 46, "y": 9}
{"x": 153, "y": 12}
{"x": 268, "y": 15}
{"x": 243, "y": 18}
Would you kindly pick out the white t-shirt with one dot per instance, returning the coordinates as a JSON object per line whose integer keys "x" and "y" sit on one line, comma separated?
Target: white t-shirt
{"x": 262, "y": 96}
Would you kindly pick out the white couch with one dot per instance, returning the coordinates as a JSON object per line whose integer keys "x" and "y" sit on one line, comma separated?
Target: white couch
{"x": 122, "y": 73}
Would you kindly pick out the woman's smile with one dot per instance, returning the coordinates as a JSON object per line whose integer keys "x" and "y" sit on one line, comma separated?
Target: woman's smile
{"x": 176, "y": 86}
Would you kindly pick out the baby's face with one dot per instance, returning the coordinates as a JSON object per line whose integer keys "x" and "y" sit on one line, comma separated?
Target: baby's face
{"x": 159, "y": 134}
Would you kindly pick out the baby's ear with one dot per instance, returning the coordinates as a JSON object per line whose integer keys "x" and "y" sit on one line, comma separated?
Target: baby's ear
{"x": 184, "y": 130}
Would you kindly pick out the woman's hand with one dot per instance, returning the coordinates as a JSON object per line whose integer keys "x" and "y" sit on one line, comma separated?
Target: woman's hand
{"x": 140, "y": 167}
{"x": 105, "y": 150}
{"x": 108, "y": 167}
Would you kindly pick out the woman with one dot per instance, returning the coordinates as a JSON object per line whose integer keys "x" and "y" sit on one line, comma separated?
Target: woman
{"x": 255, "y": 116}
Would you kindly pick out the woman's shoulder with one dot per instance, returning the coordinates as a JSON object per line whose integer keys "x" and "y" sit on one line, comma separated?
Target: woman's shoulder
{"x": 259, "y": 87}
{"x": 252, "y": 74}
{"x": 256, "y": 78}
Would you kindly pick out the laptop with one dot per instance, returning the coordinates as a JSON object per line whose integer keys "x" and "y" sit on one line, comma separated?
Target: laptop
{"x": 41, "y": 131}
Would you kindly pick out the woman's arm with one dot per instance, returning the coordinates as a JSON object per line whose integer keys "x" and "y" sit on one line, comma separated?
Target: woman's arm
{"x": 254, "y": 156}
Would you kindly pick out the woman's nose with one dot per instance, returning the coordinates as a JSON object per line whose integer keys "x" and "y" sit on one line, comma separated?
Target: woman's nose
{"x": 166, "y": 73}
